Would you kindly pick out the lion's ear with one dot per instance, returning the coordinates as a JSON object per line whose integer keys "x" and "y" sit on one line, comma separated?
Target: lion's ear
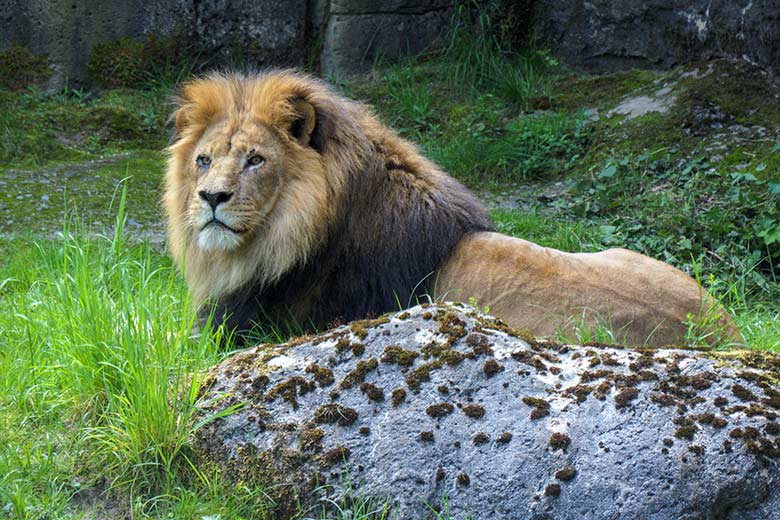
{"x": 304, "y": 120}
{"x": 181, "y": 117}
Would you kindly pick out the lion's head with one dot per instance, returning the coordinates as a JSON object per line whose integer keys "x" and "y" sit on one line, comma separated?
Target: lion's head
{"x": 251, "y": 182}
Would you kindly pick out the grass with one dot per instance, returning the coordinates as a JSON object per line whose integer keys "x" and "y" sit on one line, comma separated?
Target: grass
{"x": 102, "y": 334}
{"x": 98, "y": 383}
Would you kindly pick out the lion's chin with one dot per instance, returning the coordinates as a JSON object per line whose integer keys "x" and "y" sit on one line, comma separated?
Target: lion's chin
{"x": 218, "y": 238}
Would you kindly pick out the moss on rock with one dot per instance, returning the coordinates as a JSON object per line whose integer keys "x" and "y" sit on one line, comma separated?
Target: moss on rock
{"x": 19, "y": 68}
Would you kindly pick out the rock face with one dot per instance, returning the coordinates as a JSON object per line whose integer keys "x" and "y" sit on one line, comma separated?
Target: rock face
{"x": 442, "y": 404}
{"x": 66, "y": 30}
{"x": 358, "y": 31}
{"x": 609, "y": 35}
{"x": 343, "y": 35}
{"x": 265, "y": 33}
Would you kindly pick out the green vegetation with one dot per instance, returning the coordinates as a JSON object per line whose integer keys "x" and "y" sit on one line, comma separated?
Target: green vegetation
{"x": 99, "y": 372}
{"x": 20, "y": 68}
{"x": 96, "y": 347}
{"x": 146, "y": 64}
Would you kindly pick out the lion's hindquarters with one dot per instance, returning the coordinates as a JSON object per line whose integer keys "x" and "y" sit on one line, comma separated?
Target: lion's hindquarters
{"x": 639, "y": 300}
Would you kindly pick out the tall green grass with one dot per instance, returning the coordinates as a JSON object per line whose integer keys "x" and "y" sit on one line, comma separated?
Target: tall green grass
{"x": 481, "y": 57}
{"x": 100, "y": 367}
{"x": 98, "y": 340}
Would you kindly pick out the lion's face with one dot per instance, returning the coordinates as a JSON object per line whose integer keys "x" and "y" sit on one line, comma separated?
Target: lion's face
{"x": 236, "y": 178}
{"x": 253, "y": 178}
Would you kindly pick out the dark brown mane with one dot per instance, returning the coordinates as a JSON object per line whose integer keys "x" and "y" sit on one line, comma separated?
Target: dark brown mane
{"x": 391, "y": 236}
{"x": 362, "y": 222}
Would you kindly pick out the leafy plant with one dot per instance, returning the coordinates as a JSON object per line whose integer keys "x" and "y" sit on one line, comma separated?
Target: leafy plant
{"x": 684, "y": 210}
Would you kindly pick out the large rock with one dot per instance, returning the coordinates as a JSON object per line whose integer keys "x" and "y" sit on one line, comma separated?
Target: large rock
{"x": 343, "y": 35}
{"x": 443, "y": 403}
{"x": 609, "y": 35}
{"x": 66, "y": 30}
{"x": 358, "y": 31}
{"x": 262, "y": 33}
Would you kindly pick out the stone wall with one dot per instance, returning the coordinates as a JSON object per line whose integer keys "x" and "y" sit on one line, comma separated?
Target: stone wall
{"x": 343, "y": 36}
{"x": 359, "y": 30}
{"x": 346, "y": 36}
{"x": 67, "y": 30}
{"x": 608, "y": 35}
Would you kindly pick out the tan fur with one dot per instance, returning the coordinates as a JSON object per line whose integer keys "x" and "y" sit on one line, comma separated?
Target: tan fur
{"x": 284, "y": 210}
{"x": 549, "y": 292}
{"x": 297, "y": 197}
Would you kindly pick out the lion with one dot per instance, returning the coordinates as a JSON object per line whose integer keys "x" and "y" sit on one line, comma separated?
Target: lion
{"x": 285, "y": 201}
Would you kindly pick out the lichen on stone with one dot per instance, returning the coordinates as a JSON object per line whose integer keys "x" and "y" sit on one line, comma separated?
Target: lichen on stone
{"x": 358, "y": 375}
{"x": 439, "y": 410}
{"x": 397, "y": 396}
{"x": 480, "y": 438}
{"x": 373, "y": 392}
{"x": 335, "y": 413}
{"x": 541, "y": 408}
{"x": 290, "y": 389}
{"x": 566, "y": 473}
{"x": 334, "y": 456}
{"x": 322, "y": 375}
{"x": 475, "y": 411}
{"x": 504, "y": 438}
{"x": 399, "y": 356}
{"x": 426, "y": 436}
{"x": 559, "y": 441}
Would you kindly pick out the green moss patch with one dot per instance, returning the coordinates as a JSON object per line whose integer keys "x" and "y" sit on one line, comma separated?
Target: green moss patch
{"x": 19, "y": 68}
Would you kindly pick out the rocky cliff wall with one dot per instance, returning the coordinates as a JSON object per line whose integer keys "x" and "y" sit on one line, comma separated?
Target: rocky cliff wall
{"x": 609, "y": 35}
{"x": 344, "y": 36}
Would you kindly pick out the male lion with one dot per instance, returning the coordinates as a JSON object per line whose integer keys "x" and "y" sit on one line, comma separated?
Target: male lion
{"x": 285, "y": 200}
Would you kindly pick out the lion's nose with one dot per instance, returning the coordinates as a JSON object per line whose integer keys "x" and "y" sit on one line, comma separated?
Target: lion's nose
{"x": 215, "y": 198}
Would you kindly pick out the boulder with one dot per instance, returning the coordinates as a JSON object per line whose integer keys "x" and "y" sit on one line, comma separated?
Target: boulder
{"x": 440, "y": 406}
{"x": 605, "y": 36}
{"x": 360, "y": 31}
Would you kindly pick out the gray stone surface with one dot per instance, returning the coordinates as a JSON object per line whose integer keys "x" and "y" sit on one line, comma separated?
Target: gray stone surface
{"x": 66, "y": 30}
{"x": 502, "y": 426}
{"x": 608, "y": 35}
{"x": 264, "y": 32}
{"x": 353, "y": 41}
{"x": 343, "y": 35}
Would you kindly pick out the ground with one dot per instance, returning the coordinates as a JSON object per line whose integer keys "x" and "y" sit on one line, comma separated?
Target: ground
{"x": 95, "y": 333}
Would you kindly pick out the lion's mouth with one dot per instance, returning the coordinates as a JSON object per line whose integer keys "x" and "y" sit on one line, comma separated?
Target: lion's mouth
{"x": 219, "y": 223}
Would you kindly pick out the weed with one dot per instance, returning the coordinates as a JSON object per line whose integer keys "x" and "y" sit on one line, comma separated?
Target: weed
{"x": 118, "y": 63}
{"x": 587, "y": 333}
{"x": 100, "y": 350}
{"x": 151, "y": 64}
{"x": 354, "y": 504}
{"x": 483, "y": 152}
{"x": 411, "y": 96}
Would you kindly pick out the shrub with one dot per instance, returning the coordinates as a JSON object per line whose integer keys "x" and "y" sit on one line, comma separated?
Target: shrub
{"x": 118, "y": 63}
{"x": 19, "y": 68}
{"x": 157, "y": 62}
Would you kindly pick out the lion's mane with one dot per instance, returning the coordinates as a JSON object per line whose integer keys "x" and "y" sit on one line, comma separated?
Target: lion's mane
{"x": 362, "y": 224}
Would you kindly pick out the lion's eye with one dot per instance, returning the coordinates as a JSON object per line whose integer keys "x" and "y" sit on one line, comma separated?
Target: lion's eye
{"x": 255, "y": 160}
{"x": 203, "y": 161}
